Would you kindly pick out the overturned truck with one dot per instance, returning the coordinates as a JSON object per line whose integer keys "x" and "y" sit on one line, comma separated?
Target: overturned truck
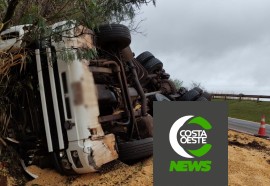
{"x": 83, "y": 99}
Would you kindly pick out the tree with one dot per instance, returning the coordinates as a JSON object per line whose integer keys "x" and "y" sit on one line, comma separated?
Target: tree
{"x": 178, "y": 83}
{"x": 86, "y": 12}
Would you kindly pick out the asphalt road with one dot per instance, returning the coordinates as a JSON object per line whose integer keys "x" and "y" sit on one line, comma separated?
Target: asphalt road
{"x": 246, "y": 126}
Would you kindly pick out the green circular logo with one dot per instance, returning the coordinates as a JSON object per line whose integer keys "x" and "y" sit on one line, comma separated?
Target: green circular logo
{"x": 190, "y": 136}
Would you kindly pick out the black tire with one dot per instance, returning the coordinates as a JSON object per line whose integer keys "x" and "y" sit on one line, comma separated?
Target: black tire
{"x": 207, "y": 96}
{"x": 135, "y": 150}
{"x": 156, "y": 97}
{"x": 144, "y": 57}
{"x": 202, "y": 99}
{"x": 153, "y": 65}
{"x": 56, "y": 160}
{"x": 182, "y": 91}
{"x": 56, "y": 164}
{"x": 191, "y": 95}
{"x": 113, "y": 35}
{"x": 198, "y": 90}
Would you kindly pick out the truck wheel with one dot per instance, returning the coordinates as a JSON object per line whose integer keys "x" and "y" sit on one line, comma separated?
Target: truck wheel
{"x": 153, "y": 65}
{"x": 113, "y": 35}
{"x": 135, "y": 150}
{"x": 156, "y": 97}
{"x": 198, "y": 90}
{"x": 202, "y": 99}
{"x": 144, "y": 57}
{"x": 61, "y": 164}
{"x": 191, "y": 95}
{"x": 182, "y": 91}
{"x": 207, "y": 96}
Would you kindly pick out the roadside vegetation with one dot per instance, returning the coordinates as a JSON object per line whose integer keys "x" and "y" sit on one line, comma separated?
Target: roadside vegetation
{"x": 248, "y": 109}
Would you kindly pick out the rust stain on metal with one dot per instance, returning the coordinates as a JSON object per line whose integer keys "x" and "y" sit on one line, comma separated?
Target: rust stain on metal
{"x": 96, "y": 133}
{"x": 127, "y": 54}
{"x": 85, "y": 37}
{"x": 109, "y": 140}
{"x": 100, "y": 70}
{"x": 105, "y": 152}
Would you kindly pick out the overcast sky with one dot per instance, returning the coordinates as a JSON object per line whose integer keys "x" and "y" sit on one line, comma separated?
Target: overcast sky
{"x": 222, "y": 44}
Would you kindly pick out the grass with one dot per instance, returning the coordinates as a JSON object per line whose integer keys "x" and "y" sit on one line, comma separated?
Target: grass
{"x": 248, "y": 110}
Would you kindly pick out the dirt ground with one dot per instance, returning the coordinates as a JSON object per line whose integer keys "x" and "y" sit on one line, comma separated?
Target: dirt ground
{"x": 249, "y": 165}
{"x": 119, "y": 174}
{"x": 249, "y": 160}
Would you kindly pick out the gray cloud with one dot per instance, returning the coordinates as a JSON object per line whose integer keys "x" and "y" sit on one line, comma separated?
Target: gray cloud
{"x": 222, "y": 44}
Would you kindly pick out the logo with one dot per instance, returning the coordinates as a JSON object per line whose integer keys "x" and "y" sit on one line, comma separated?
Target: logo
{"x": 179, "y": 138}
{"x": 191, "y": 143}
{"x": 190, "y": 136}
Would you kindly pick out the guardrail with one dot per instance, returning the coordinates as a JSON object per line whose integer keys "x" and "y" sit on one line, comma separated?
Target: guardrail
{"x": 240, "y": 96}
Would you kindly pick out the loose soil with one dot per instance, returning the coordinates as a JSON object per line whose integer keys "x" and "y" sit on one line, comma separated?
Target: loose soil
{"x": 249, "y": 160}
{"x": 249, "y": 165}
{"x": 119, "y": 174}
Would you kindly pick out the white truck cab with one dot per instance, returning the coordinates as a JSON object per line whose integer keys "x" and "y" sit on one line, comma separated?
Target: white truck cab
{"x": 68, "y": 97}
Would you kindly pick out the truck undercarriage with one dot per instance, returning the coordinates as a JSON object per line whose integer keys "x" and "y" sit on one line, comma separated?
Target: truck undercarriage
{"x": 82, "y": 112}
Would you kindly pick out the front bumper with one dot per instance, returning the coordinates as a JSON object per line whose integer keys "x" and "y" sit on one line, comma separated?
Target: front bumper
{"x": 89, "y": 155}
